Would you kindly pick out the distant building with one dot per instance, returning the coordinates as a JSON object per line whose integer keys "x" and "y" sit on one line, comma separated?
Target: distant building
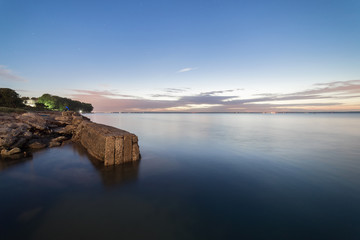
{"x": 30, "y": 102}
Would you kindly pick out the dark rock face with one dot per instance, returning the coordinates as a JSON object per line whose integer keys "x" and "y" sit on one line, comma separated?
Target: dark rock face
{"x": 20, "y": 133}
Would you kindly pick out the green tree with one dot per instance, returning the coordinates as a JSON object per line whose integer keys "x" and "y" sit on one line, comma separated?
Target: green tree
{"x": 40, "y": 106}
{"x": 62, "y": 104}
{"x": 10, "y": 98}
{"x": 47, "y": 100}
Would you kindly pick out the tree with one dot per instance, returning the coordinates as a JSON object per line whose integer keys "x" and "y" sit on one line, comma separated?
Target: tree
{"x": 62, "y": 104}
{"x": 40, "y": 106}
{"x": 10, "y": 98}
{"x": 47, "y": 100}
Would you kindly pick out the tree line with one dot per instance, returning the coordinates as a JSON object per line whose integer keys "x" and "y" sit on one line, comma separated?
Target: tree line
{"x": 10, "y": 98}
{"x": 62, "y": 104}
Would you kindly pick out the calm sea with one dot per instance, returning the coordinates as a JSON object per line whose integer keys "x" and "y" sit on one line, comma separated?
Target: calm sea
{"x": 201, "y": 176}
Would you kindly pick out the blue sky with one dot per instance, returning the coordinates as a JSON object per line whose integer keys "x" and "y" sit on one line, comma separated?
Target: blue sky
{"x": 185, "y": 55}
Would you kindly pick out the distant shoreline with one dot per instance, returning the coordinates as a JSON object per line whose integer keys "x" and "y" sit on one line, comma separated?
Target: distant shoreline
{"x": 353, "y": 112}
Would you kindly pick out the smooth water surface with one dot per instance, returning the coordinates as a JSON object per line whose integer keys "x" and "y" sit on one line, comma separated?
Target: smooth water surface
{"x": 201, "y": 176}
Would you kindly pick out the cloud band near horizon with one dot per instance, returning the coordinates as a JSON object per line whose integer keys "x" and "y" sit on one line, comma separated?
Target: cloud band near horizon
{"x": 332, "y": 96}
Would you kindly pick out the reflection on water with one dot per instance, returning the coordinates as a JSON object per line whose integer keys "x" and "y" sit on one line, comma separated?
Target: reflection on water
{"x": 202, "y": 176}
{"x": 111, "y": 175}
{"x": 13, "y": 161}
{"x": 114, "y": 175}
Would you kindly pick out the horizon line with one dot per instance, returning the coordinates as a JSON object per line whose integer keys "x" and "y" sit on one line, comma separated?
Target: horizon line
{"x": 272, "y": 112}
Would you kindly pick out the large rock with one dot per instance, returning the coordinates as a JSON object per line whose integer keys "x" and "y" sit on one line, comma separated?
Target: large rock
{"x": 21, "y": 126}
{"x": 5, "y": 130}
{"x": 69, "y": 113}
{"x": 67, "y": 130}
{"x": 54, "y": 144}
{"x": 19, "y": 143}
{"x": 11, "y": 133}
{"x": 68, "y": 117}
{"x": 7, "y": 140}
{"x": 77, "y": 120}
{"x": 59, "y": 139}
{"x": 34, "y": 120}
{"x": 37, "y": 145}
{"x": 6, "y": 118}
{"x": 108, "y": 144}
{"x": 5, "y": 152}
{"x": 64, "y": 119}
{"x": 28, "y": 134}
{"x": 70, "y": 129}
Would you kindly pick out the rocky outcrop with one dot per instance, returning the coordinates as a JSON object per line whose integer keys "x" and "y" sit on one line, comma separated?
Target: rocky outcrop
{"x": 21, "y": 133}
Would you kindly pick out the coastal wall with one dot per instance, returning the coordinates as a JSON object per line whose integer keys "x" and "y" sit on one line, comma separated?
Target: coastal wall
{"x": 108, "y": 144}
{"x": 22, "y": 133}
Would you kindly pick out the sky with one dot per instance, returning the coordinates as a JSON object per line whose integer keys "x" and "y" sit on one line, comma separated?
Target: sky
{"x": 194, "y": 56}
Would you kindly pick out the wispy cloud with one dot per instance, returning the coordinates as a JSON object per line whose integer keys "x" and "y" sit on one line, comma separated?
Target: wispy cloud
{"x": 163, "y": 96}
{"x": 186, "y": 70}
{"x": 7, "y": 74}
{"x": 175, "y": 90}
{"x": 331, "y": 90}
{"x": 21, "y": 90}
{"x": 104, "y": 93}
{"x": 221, "y": 91}
{"x": 343, "y": 88}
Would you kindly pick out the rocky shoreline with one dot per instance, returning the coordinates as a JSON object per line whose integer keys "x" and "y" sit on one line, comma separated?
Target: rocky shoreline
{"x": 21, "y": 134}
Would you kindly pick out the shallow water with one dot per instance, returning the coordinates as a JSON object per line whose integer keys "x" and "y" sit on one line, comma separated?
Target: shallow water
{"x": 201, "y": 176}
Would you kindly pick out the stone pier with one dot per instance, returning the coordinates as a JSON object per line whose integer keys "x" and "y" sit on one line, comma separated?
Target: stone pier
{"x": 108, "y": 144}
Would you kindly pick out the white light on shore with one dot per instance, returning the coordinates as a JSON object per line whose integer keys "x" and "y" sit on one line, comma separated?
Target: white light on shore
{"x": 80, "y": 111}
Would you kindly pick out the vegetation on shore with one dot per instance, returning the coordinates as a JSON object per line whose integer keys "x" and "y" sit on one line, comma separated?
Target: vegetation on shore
{"x": 10, "y": 101}
{"x": 62, "y": 104}
{"x": 9, "y": 98}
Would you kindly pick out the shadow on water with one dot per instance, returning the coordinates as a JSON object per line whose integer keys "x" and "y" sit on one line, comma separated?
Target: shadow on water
{"x": 12, "y": 161}
{"x": 111, "y": 175}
